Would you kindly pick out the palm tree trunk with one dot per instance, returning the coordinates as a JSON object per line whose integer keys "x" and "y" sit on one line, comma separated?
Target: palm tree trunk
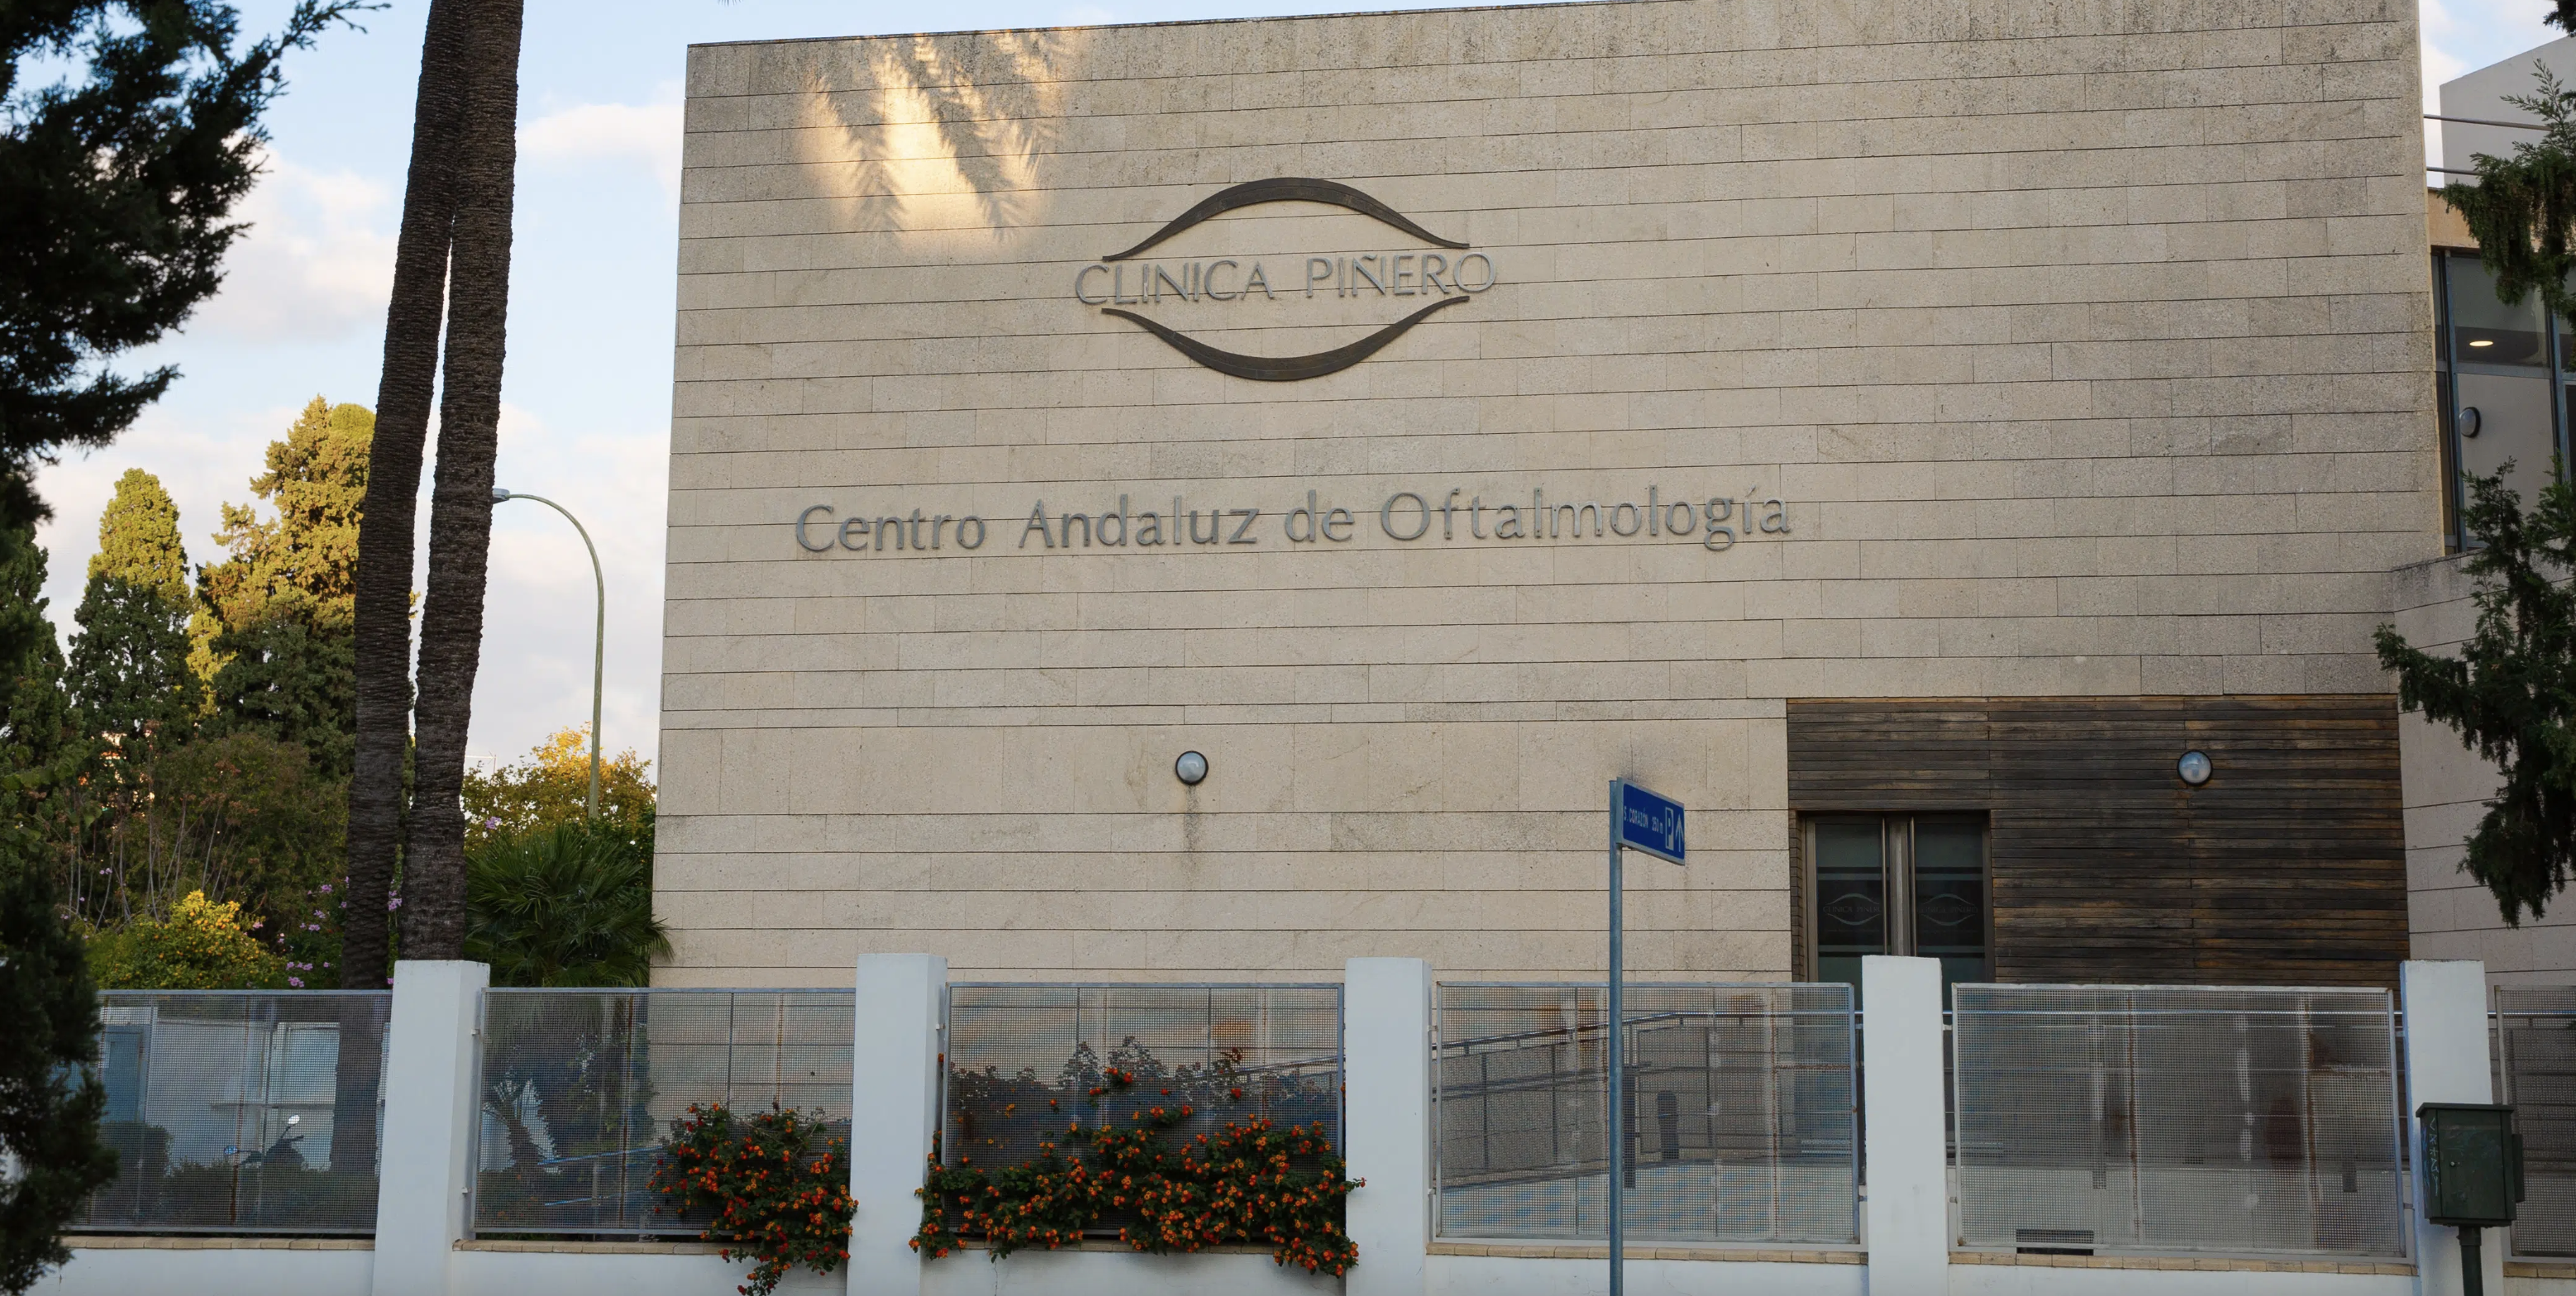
{"x": 460, "y": 509}
{"x": 383, "y": 581}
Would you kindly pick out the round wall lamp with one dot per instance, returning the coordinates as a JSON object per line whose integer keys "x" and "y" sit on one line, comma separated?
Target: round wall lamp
{"x": 2194, "y": 767}
{"x": 2470, "y": 419}
{"x": 1191, "y": 768}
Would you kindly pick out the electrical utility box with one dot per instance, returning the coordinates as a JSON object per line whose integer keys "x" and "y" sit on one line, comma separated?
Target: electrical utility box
{"x": 2472, "y": 1164}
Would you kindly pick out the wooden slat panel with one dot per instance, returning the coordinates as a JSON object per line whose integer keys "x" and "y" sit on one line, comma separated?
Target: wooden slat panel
{"x": 2288, "y": 868}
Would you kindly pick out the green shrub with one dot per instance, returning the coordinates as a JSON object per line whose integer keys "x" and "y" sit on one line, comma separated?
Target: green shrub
{"x": 200, "y": 946}
{"x": 563, "y": 906}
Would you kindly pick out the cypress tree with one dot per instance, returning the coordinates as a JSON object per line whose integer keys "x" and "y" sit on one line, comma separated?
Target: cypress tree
{"x": 128, "y": 675}
{"x": 138, "y": 539}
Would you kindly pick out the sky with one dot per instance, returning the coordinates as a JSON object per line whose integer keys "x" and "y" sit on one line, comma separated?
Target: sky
{"x": 587, "y": 390}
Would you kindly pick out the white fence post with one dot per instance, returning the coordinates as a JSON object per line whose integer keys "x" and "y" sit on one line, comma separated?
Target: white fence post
{"x": 1386, "y": 1060}
{"x": 1909, "y": 1181}
{"x": 895, "y": 1063}
{"x": 2446, "y": 1061}
{"x": 433, "y": 1066}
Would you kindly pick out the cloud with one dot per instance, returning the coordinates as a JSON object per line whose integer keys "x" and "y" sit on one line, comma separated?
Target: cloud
{"x": 202, "y": 463}
{"x": 315, "y": 265}
{"x": 537, "y": 618}
{"x": 646, "y": 133}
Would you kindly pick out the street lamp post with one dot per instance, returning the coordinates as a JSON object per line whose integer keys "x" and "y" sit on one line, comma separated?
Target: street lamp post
{"x": 598, "y": 638}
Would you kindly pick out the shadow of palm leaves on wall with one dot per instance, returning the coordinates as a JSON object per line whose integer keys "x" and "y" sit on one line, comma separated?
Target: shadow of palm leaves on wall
{"x": 989, "y": 105}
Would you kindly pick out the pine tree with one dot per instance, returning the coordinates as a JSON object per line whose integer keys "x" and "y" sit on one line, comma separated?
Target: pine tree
{"x": 303, "y": 563}
{"x": 33, "y": 718}
{"x": 2507, "y": 691}
{"x": 281, "y": 654}
{"x": 119, "y": 172}
{"x": 50, "y": 1099}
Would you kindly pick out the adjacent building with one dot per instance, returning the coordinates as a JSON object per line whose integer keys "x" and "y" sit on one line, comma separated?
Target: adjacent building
{"x": 1916, "y": 436}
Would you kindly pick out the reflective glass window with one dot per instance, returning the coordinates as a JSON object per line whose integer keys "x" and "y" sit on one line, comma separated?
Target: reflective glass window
{"x": 1899, "y": 884}
{"x": 2485, "y": 331}
{"x": 1851, "y": 896}
{"x": 1950, "y": 896}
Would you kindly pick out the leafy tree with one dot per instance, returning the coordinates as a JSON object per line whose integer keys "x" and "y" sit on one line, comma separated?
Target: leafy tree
{"x": 2522, "y": 206}
{"x": 2511, "y": 691}
{"x": 549, "y": 787}
{"x": 50, "y": 1103}
{"x": 566, "y": 906}
{"x": 292, "y": 682}
{"x": 281, "y": 656}
{"x": 201, "y": 946}
{"x": 117, "y": 185}
{"x": 242, "y": 817}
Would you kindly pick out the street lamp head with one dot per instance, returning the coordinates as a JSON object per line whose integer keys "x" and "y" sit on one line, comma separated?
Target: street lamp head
{"x": 499, "y": 494}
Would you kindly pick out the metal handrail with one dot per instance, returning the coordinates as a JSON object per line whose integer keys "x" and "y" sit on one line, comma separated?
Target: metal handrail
{"x": 2483, "y": 121}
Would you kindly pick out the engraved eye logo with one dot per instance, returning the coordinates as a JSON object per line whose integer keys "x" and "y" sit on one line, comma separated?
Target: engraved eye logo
{"x": 1277, "y": 189}
{"x": 1852, "y": 910}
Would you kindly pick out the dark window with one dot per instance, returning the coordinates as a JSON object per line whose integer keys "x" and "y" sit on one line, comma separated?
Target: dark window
{"x": 1898, "y": 884}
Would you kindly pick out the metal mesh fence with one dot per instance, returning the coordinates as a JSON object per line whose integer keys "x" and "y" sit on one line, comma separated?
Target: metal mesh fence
{"x": 2535, "y": 1035}
{"x": 2178, "y": 1119}
{"x": 241, "y": 1111}
{"x": 580, "y": 1087}
{"x": 1741, "y": 1124}
{"x": 1025, "y": 1062}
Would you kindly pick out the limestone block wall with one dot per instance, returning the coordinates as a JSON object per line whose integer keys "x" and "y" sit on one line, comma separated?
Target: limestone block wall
{"x": 2063, "y": 349}
{"x": 2451, "y": 916}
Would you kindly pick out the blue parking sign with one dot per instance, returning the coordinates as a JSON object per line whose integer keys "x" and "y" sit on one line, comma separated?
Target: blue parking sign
{"x": 1646, "y": 821}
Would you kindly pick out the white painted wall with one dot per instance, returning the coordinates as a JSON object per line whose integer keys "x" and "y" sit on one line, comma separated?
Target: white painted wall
{"x": 1386, "y": 1042}
{"x": 1908, "y": 1215}
{"x": 526, "y": 1273}
{"x": 135, "y": 1271}
{"x": 1119, "y": 1273}
{"x": 893, "y": 1116}
{"x": 2014, "y": 1280}
{"x": 432, "y": 1063}
{"x": 1517, "y": 1276}
{"x": 2481, "y": 94}
{"x": 2446, "y": 1061}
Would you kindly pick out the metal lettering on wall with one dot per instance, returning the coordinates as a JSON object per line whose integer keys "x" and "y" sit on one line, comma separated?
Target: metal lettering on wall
{"x": 1407, "y": 274}
{"x": 1460, "y": 516}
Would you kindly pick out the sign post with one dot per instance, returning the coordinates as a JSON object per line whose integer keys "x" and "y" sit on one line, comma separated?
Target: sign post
{"x": 1639, "y": 820}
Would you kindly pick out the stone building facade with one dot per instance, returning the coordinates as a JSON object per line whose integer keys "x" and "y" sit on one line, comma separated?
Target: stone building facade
{"x": 1736, "y": 372}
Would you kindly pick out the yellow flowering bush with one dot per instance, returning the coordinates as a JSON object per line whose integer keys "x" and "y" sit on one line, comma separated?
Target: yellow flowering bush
{"x": 200, "y": 946}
